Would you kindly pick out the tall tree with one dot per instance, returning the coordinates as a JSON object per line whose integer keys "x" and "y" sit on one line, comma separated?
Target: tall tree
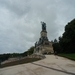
{"x": 56, "y": 46}
{"x": 67, "y": 41}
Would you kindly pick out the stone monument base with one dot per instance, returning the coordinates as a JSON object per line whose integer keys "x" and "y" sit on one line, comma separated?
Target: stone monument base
{"x": 44, "y": 49}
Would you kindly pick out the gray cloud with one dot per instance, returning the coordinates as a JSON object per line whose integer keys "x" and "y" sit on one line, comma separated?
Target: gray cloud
{"x": 20, "y": 21}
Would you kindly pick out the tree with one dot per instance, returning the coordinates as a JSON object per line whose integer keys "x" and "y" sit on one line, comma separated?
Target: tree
{"x": 55, "y": 41}
{"x": 56, "y": 46}
{"x": 67, "y": 41}
{"x": 31, "y": 50}
{"x": 4, "y": 57}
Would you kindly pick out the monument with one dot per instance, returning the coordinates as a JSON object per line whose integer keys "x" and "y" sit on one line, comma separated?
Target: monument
{"x": 43, "y": 46}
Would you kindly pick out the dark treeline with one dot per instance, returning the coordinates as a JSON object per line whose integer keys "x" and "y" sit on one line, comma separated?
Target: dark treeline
{"x": 4, "y": 57}
{"x": 66, "y": 43}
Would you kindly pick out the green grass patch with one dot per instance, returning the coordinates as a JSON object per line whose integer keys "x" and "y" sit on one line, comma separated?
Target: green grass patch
{"x": 69, "y": 56}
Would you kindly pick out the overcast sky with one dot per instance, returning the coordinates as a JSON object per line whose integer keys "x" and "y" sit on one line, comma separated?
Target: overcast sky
{"x": 20, "y": 21}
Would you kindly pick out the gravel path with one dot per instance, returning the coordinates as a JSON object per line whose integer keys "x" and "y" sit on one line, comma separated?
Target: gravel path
{"x": 51, "y": 65}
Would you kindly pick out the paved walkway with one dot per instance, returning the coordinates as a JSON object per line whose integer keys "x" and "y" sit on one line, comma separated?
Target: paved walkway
{"x": 51, "y": 65}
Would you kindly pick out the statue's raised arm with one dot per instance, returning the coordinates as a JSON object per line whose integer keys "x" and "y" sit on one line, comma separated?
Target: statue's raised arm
{"x": 43, "y": 26}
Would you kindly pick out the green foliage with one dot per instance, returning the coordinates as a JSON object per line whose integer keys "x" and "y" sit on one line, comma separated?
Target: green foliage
{"x": 55, "y": 41}
{"x": 25, "y": 53}
{"x": 67, "y": 41}
{"x": 69, "y": 56}
{"x": 31, "y": 50}
{"x": 4, "y": 57}
{"x": 56, "y": 46}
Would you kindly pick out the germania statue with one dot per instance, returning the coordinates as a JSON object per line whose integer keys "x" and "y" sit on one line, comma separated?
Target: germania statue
{"x": 43, "y": 26}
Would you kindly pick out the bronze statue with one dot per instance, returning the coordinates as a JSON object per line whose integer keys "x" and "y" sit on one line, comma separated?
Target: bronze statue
{"x": 43, "y": 26}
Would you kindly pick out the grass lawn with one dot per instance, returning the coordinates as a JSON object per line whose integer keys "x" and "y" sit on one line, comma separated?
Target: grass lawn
{"x": 22, "y": 61}
{"x": 69, "y": 56}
